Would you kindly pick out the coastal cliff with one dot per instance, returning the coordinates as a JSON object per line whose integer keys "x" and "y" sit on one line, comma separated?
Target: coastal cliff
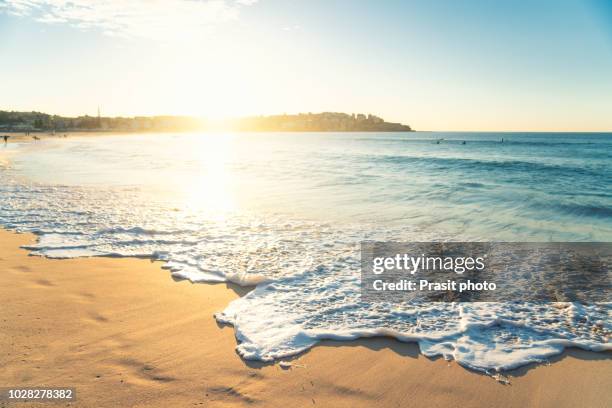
{"x": 13, "y": 121}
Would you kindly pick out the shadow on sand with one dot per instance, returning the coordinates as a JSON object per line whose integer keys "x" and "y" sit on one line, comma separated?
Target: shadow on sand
{"x": 411, "y": 350}
{"x": 237, "y": 289}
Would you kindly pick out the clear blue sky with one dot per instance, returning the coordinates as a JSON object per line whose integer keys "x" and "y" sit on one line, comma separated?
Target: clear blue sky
{"x": 436, "y": 65}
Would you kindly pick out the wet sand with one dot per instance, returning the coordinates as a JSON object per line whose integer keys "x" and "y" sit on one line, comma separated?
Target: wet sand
{"x": 125, "y": 334}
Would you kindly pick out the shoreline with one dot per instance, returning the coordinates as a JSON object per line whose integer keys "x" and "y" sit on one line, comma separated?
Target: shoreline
{"x": 123, "y": 332}
{"x": 19, "y": 136}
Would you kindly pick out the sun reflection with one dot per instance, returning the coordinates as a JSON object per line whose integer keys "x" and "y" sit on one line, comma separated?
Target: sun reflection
{"x": 211, "y": 185}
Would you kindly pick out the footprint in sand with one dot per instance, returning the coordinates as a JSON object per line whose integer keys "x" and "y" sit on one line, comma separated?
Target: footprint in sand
{"x": 231, "y": 392}
{"x": 142, "y": 373}
{"x": 83, "y": 297}
{"x": 44, "y": 282}
{"x": 97, "y": 317}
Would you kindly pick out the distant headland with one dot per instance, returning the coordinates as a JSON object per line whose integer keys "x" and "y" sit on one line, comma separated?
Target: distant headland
{"x": 12, "y": 121}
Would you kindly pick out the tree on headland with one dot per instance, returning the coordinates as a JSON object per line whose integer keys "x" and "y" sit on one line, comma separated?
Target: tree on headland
{"x": 302, "y": 122}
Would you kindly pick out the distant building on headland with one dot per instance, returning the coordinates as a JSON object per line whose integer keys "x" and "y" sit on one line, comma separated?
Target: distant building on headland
{"x": 303, "y": 122}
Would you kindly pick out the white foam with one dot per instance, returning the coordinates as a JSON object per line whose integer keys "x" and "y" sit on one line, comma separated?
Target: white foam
{"x": 484, "y": 336}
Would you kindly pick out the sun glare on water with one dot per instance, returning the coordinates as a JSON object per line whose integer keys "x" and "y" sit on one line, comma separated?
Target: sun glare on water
{"x": 211, "y": 186}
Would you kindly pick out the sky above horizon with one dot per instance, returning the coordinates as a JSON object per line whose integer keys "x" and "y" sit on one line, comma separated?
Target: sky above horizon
{"x": 435, "y": 65}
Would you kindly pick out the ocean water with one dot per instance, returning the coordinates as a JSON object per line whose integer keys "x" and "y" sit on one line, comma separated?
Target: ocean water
{"x": 286, "y": 212}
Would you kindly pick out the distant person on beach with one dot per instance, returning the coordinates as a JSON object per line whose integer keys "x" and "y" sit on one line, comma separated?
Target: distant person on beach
{"x": 5, "y": 137}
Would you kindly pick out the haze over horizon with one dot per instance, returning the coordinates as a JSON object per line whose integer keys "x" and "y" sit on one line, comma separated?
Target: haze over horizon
{"x": 473, "y": 65}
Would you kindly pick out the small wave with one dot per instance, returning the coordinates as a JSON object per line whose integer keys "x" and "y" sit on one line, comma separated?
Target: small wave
{"x": 138, "y": 231}
{"x": 527, "y": 167}
{"x": 583, "y": 210}
{"x": 472, "y": 185}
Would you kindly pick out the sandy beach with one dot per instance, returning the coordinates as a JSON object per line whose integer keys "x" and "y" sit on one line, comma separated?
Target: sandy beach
{"x": 124, "y": 333}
